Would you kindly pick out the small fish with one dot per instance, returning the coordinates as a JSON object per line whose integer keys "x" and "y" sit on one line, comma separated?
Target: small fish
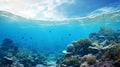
{"x": 30, "y": 37}
{"x": 18, "y": 32}
{"x": 50, "y": 31}
{"x": 69, "y": 34}
{"x": 23, "y": 37}
{"x": 5, "y": 35}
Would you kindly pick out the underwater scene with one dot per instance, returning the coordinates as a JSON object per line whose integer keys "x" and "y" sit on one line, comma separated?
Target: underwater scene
{"x": 87, "y": 36}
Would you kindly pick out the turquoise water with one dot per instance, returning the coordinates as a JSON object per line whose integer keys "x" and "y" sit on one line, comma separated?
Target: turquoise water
{"x": 39, "y": 43}
{"x": 51, "y": 37}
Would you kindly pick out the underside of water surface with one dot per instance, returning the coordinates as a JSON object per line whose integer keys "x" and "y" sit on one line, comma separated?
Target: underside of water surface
{"x": 80, "y": 42}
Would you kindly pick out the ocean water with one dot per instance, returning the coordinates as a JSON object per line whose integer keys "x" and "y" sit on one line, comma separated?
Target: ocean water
{"x": 52, "y": 37}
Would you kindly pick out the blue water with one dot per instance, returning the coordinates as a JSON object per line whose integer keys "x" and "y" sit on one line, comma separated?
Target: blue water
{"x": 51, "y": 37}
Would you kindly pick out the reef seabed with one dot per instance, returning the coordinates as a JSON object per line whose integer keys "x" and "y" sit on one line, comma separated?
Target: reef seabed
{"x": 101, "y": 49}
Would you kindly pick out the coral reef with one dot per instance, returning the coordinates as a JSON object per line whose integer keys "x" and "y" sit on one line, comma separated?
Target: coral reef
{"x": 9, "y": 46}
{"x": 80, "y": 47}
{"x": 101, "y": 49}
{"x": 113, "y": 53}
{"x": 12, "y": 56}
{"x": 74, "y": 53}
{"x": 70, "y": 48}
{"x": 70, "y": 61}
{"x": 105, "y": 36}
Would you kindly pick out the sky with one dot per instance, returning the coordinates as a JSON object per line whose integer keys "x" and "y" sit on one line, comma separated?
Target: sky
{"x": 58, "y": 9}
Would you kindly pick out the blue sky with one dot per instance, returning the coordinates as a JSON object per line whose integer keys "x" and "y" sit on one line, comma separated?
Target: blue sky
{"x": 84, "y": 7}
{"x": 58, "y": 9}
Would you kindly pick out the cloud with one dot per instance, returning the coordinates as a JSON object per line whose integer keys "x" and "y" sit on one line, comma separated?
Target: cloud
{"x": 103, "y": 10}
{"x": 35, "y": 9}
{"x": 110, "y": 8}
